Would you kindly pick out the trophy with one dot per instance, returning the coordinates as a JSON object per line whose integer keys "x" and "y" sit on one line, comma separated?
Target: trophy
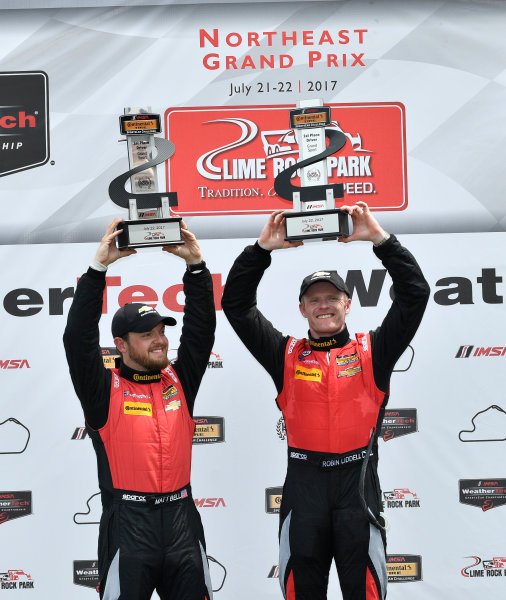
{"x": 149, "y": 220}
{"x": 315, "y": 214}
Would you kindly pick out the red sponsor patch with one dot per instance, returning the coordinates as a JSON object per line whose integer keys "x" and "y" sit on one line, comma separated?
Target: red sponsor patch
{"x": 227, "y": 158}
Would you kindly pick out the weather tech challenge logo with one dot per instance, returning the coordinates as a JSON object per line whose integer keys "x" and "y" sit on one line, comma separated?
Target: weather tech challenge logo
{"x": 242, "y": 149}
{"x": 86, "y": 573}
{"x": 493, "y": 567}
{"x": 14, "y": 505}
{"x": 404, "y": 568}
{"x": 398, "y": 422}
{"x": 483, "y": 493}
{"x": 24, "y": 121}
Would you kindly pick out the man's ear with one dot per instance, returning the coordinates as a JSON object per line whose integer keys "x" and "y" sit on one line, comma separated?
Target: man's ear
{"x": 302, "y": 311}
{"x": 120, "y": 344}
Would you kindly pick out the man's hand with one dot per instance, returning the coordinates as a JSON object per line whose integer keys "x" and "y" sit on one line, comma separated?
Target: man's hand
{"x": 107, "y": 252}
{"x": 365, "y": 226}
{"x": 190, "y": 250}
{"x": 273, "y": 234}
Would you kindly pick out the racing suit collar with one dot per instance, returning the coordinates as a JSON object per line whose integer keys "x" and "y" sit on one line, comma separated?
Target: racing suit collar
{"x": 139, "y": 376}
{"x": 326, "y": 343}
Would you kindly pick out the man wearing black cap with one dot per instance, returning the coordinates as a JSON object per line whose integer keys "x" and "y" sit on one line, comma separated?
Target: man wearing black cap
{"x": 332, "y": 391}
{"x": 139, "y": 418}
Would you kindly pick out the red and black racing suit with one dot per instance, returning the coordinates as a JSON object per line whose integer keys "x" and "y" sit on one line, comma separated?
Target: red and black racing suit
{"x": 141, "y": 425}
{"x": 332, "y": 392}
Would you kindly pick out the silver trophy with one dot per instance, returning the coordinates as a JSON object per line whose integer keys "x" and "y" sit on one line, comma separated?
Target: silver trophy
{"x": 149, "y": 219}
{"x": 314, "y": 208}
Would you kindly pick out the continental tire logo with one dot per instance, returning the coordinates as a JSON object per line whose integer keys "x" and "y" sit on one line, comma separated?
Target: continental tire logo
{"x": 24, "y": 121}
{"x": 109, "y": 356}
{"x": 209, "y": 430}
{"x": 137, "y": 377}
{"x": 138, "y": 408}
{"x": 308, "y": 374}
{"x": 404, "y": 568}
{"x": 273, "y": 497}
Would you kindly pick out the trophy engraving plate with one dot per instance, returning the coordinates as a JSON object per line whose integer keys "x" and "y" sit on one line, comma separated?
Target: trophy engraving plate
{"x": 150, "y": 222}
{"x": 315, "y": 214}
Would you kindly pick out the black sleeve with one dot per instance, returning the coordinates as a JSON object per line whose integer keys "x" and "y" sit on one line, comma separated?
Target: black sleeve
{"x": 92, "y": 381}
{"x": 239, "y": 304}
{"x": 197, "y": 334}
{"x": 411, "y": 294}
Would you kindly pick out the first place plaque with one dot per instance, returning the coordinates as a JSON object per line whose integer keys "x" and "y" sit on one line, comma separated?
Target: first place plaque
{"x": 314, "y": 215}
{"x": 149, "y": 219}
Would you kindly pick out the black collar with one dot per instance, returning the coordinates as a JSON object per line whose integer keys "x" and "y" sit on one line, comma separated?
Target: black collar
{"x": 326, "y": 343}
{"x": 139, "y": 376}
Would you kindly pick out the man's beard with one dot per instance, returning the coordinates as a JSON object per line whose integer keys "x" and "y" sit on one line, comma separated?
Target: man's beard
{"x": 148, "y": 362}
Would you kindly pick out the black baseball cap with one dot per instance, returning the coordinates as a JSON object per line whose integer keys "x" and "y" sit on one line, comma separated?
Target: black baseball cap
{"x": 137, "y": 317}
{"x": 330, "y": 276}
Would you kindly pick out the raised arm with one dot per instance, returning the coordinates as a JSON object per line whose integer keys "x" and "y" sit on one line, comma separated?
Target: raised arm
{"x": 81, "y": 337}
{"x": 239, "y": 300}
{"x": 199, "y": 318}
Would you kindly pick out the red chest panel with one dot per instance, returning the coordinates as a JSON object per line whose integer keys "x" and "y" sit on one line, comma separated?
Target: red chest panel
{"x": 148, "y": 434}
{"x": 329, "y": 400}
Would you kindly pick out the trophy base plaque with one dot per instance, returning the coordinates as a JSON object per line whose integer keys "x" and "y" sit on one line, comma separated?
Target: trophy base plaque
{"x": 145, "y": 233}
{"x": 316, "y": 224}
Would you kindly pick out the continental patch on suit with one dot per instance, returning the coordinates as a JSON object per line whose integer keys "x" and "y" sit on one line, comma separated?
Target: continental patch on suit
{"x": 308, "y": 374}
{"x": 138, "y": 408}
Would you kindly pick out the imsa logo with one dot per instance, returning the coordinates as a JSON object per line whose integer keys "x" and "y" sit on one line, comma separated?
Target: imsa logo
{"x": 209, "y": 502}
{"x": 17, "y": 363}
{"x": 80, "y": 433}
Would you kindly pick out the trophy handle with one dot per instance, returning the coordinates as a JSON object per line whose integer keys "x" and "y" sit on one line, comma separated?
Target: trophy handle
{"x": 285, "y": 189}
{"x": 118, "y": 194}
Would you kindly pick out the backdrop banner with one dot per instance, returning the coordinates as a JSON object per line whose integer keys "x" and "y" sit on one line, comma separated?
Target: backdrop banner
{"x": 419, "y": 92}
